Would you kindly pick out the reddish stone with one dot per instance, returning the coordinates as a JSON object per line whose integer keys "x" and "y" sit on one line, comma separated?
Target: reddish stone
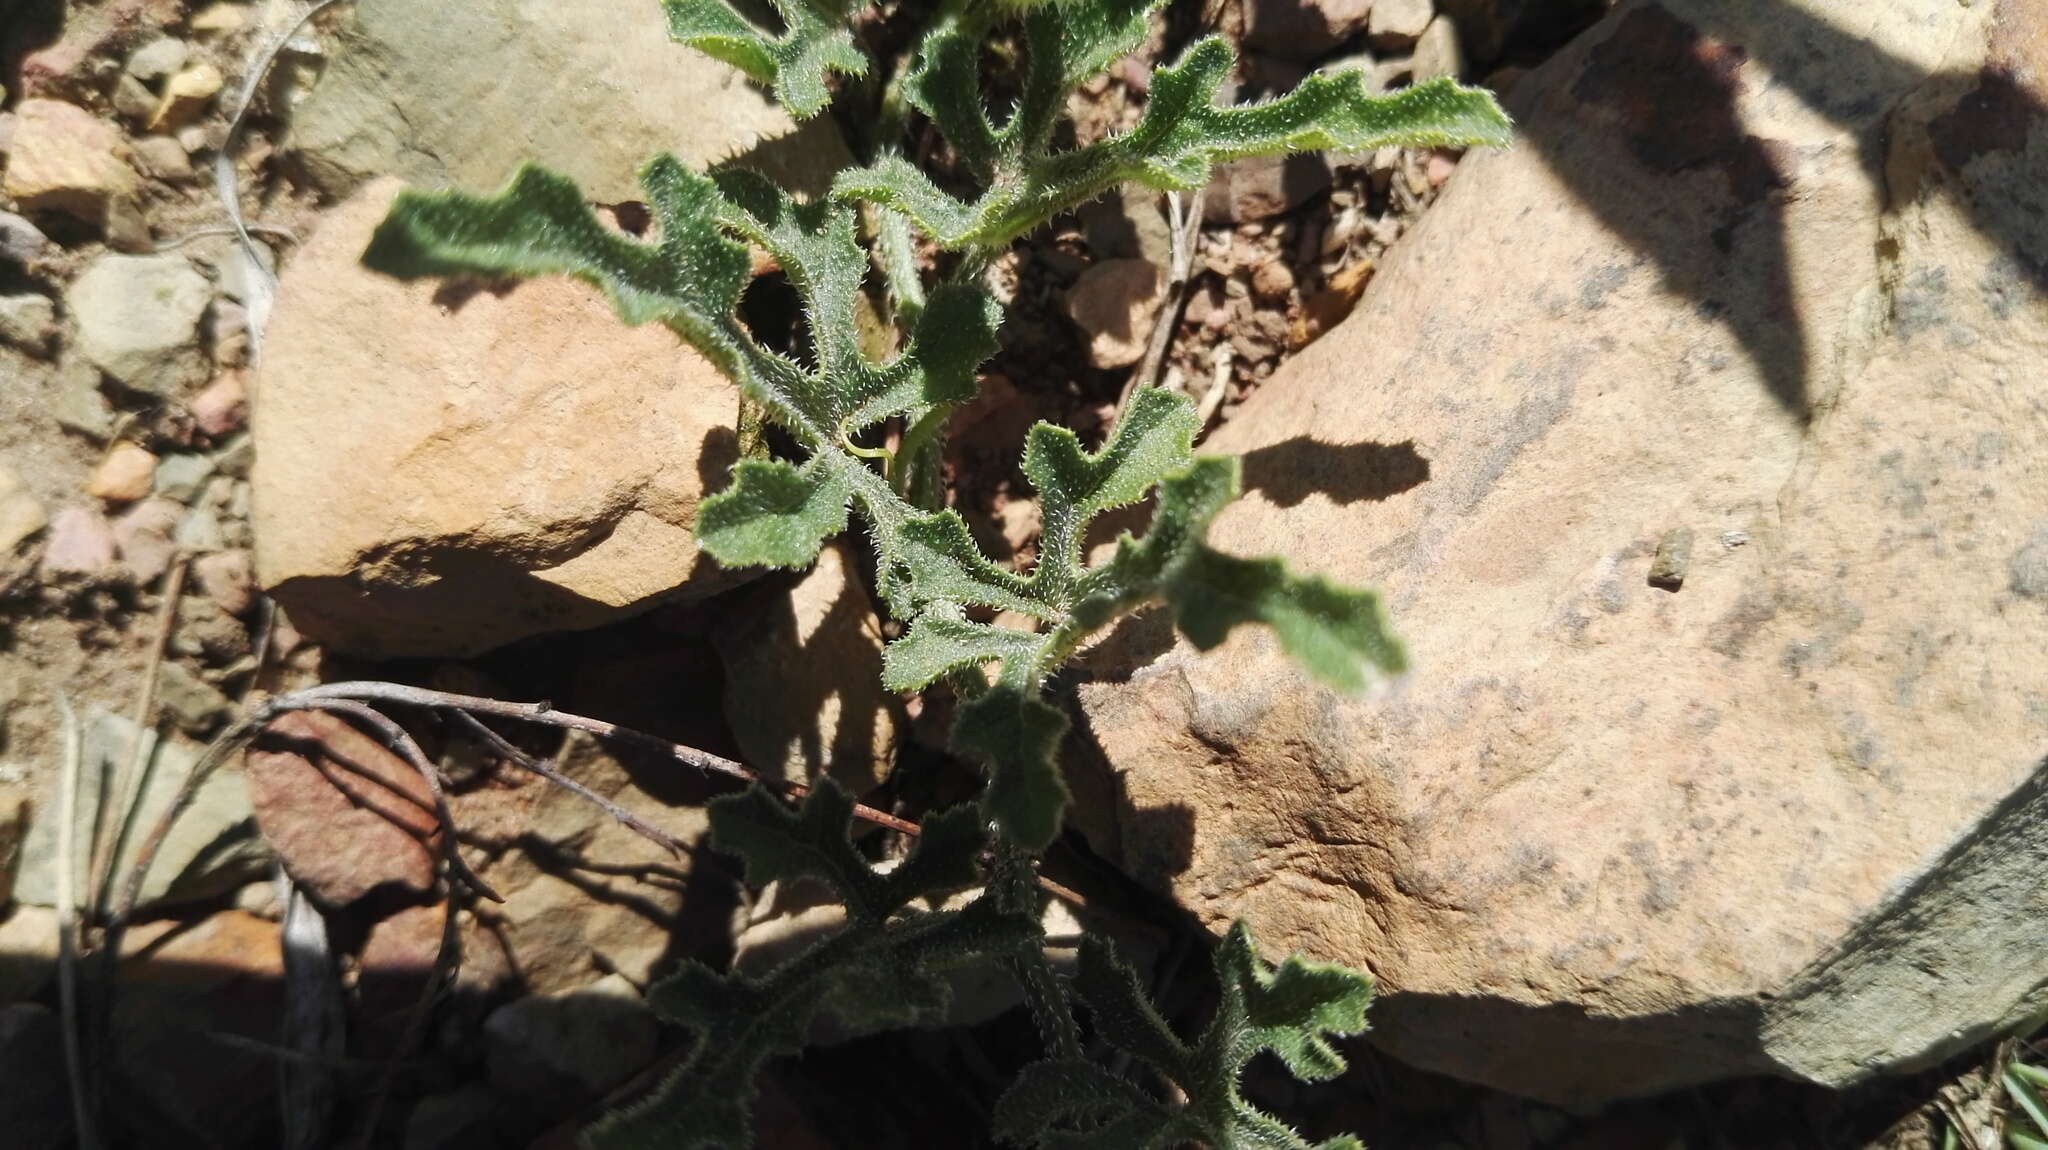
{"x": 344, "y": 814}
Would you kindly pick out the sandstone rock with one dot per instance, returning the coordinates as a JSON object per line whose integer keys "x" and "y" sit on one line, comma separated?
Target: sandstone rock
{"x": 28, "y": 321}
{"x": 182, "y": 990}
{"x": 443, "y": 478}
{"x": 1395, "y": 25}
{"x": 66, "y": 159}
{"x": 211, "y": 849}
{"x": 448, "y": 96}
{"x": 803, "y": 685}
{"x": 1437, "y": 52}
{"x": 138, "y": 319}
{"x": 81, "y": 542}
{"x": 576, "y": 903}
{"x": 1262, "y": 187}
{"x": 78, "y": 405}
{"x": 1114, "y": 303}
{"x": 1608, "y": 839}
{"x": 195, "y": 704}
{"x": 218, "y": 19}
{"x": 21, "y": 513}
{"x": 583, "y": 1041}
{"x": 346, "y": 816}
{"x": 14, "y": 812}
{"x": 1305, "y": 29}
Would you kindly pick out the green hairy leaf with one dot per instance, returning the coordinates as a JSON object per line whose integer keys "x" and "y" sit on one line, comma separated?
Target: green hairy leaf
{"x": 794, "y": 63}
{"x": 773, "y": 514}
{"x": 864, "y": 442}
{"x": 886, "y": 966}
{"x": 1182, "y": 136}
{"x": 1293, "y": 1011}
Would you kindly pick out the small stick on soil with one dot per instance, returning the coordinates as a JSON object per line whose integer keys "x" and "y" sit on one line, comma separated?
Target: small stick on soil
{"x": 546, "y": 769}
{"x": 1185, "y": 219}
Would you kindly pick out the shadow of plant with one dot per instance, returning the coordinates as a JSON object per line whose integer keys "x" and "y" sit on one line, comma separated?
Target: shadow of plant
{"x": 1661, "y": 88}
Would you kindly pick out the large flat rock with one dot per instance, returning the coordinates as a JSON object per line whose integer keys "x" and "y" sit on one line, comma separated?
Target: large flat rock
{"x": 443, "y": 469}
{"x": 464, "y": 93}
{"x": 1762, "y": 275}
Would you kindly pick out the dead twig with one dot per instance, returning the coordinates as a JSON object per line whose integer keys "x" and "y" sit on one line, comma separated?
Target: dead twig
{"x": 546, "y": 770}
{"x": 1185, "y": 220}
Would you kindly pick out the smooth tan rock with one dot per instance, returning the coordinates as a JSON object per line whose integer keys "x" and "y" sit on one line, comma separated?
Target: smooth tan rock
{"x": 803, "y": 678}
{"x": 443, "y": 470}
{"x": 124, "y": 475}
{"x": 1114, "y": 303}
{"x": 22, "y": 515}
{"x": 1765, "y": 272}
{"x": 66, "y": 159}
{"x": 465, "y": 94}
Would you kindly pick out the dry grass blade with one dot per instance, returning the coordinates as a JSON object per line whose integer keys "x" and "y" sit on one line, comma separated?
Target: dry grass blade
{"x": 67, "y": 926}
{"x": 114, "y": 835}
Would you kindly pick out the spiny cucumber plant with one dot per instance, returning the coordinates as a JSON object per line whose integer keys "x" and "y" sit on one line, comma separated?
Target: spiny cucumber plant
{"x": 830, "y": 397}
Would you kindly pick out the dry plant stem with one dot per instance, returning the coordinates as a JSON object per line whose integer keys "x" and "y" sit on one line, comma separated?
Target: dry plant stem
{"x": 546, "y": 770}
{"x": 1185, "y": 222}
{"x": 67, "y": 926}
{"x": 546, "y": 715}
{"x": 115, "y": 833}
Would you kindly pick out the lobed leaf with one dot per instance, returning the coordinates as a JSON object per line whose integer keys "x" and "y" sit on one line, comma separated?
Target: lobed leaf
{"x": 539, "y": 224}
{"x": 1016, "y": 734}
{"x": 794, "y": 63}
{"x": 777, "y": 844}
{"x": 1155, "y": 439}
{"x": 1293, "y": 1010}
{"x": 1181, "y": 137}
{"x": 773, "y": 514}
{"x": 936, "y": 646}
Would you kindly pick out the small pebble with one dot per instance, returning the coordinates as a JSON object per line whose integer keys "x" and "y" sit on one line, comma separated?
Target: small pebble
{"x": 228, "y": 578}
{"x": 21, "y": 513}
{"x": 29, "y": 322}
{"x": 216, "y": 19}
{"x": 81, "y": 542}
{"x": 21, "y": 242}
{"x": 143, "y": 536}
{"x": 179, "y": 477}
{"x": 157, "y": 59}
{"x": 1674, "y": 559}
{"x": 124, "y": 475}
{"x": 1273, "y": 280}
{"x": 162, "y": 158}
{"x": 197, "y": 705}
{"x": 222, "y": 408}
{"x": 186, "y": 95}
